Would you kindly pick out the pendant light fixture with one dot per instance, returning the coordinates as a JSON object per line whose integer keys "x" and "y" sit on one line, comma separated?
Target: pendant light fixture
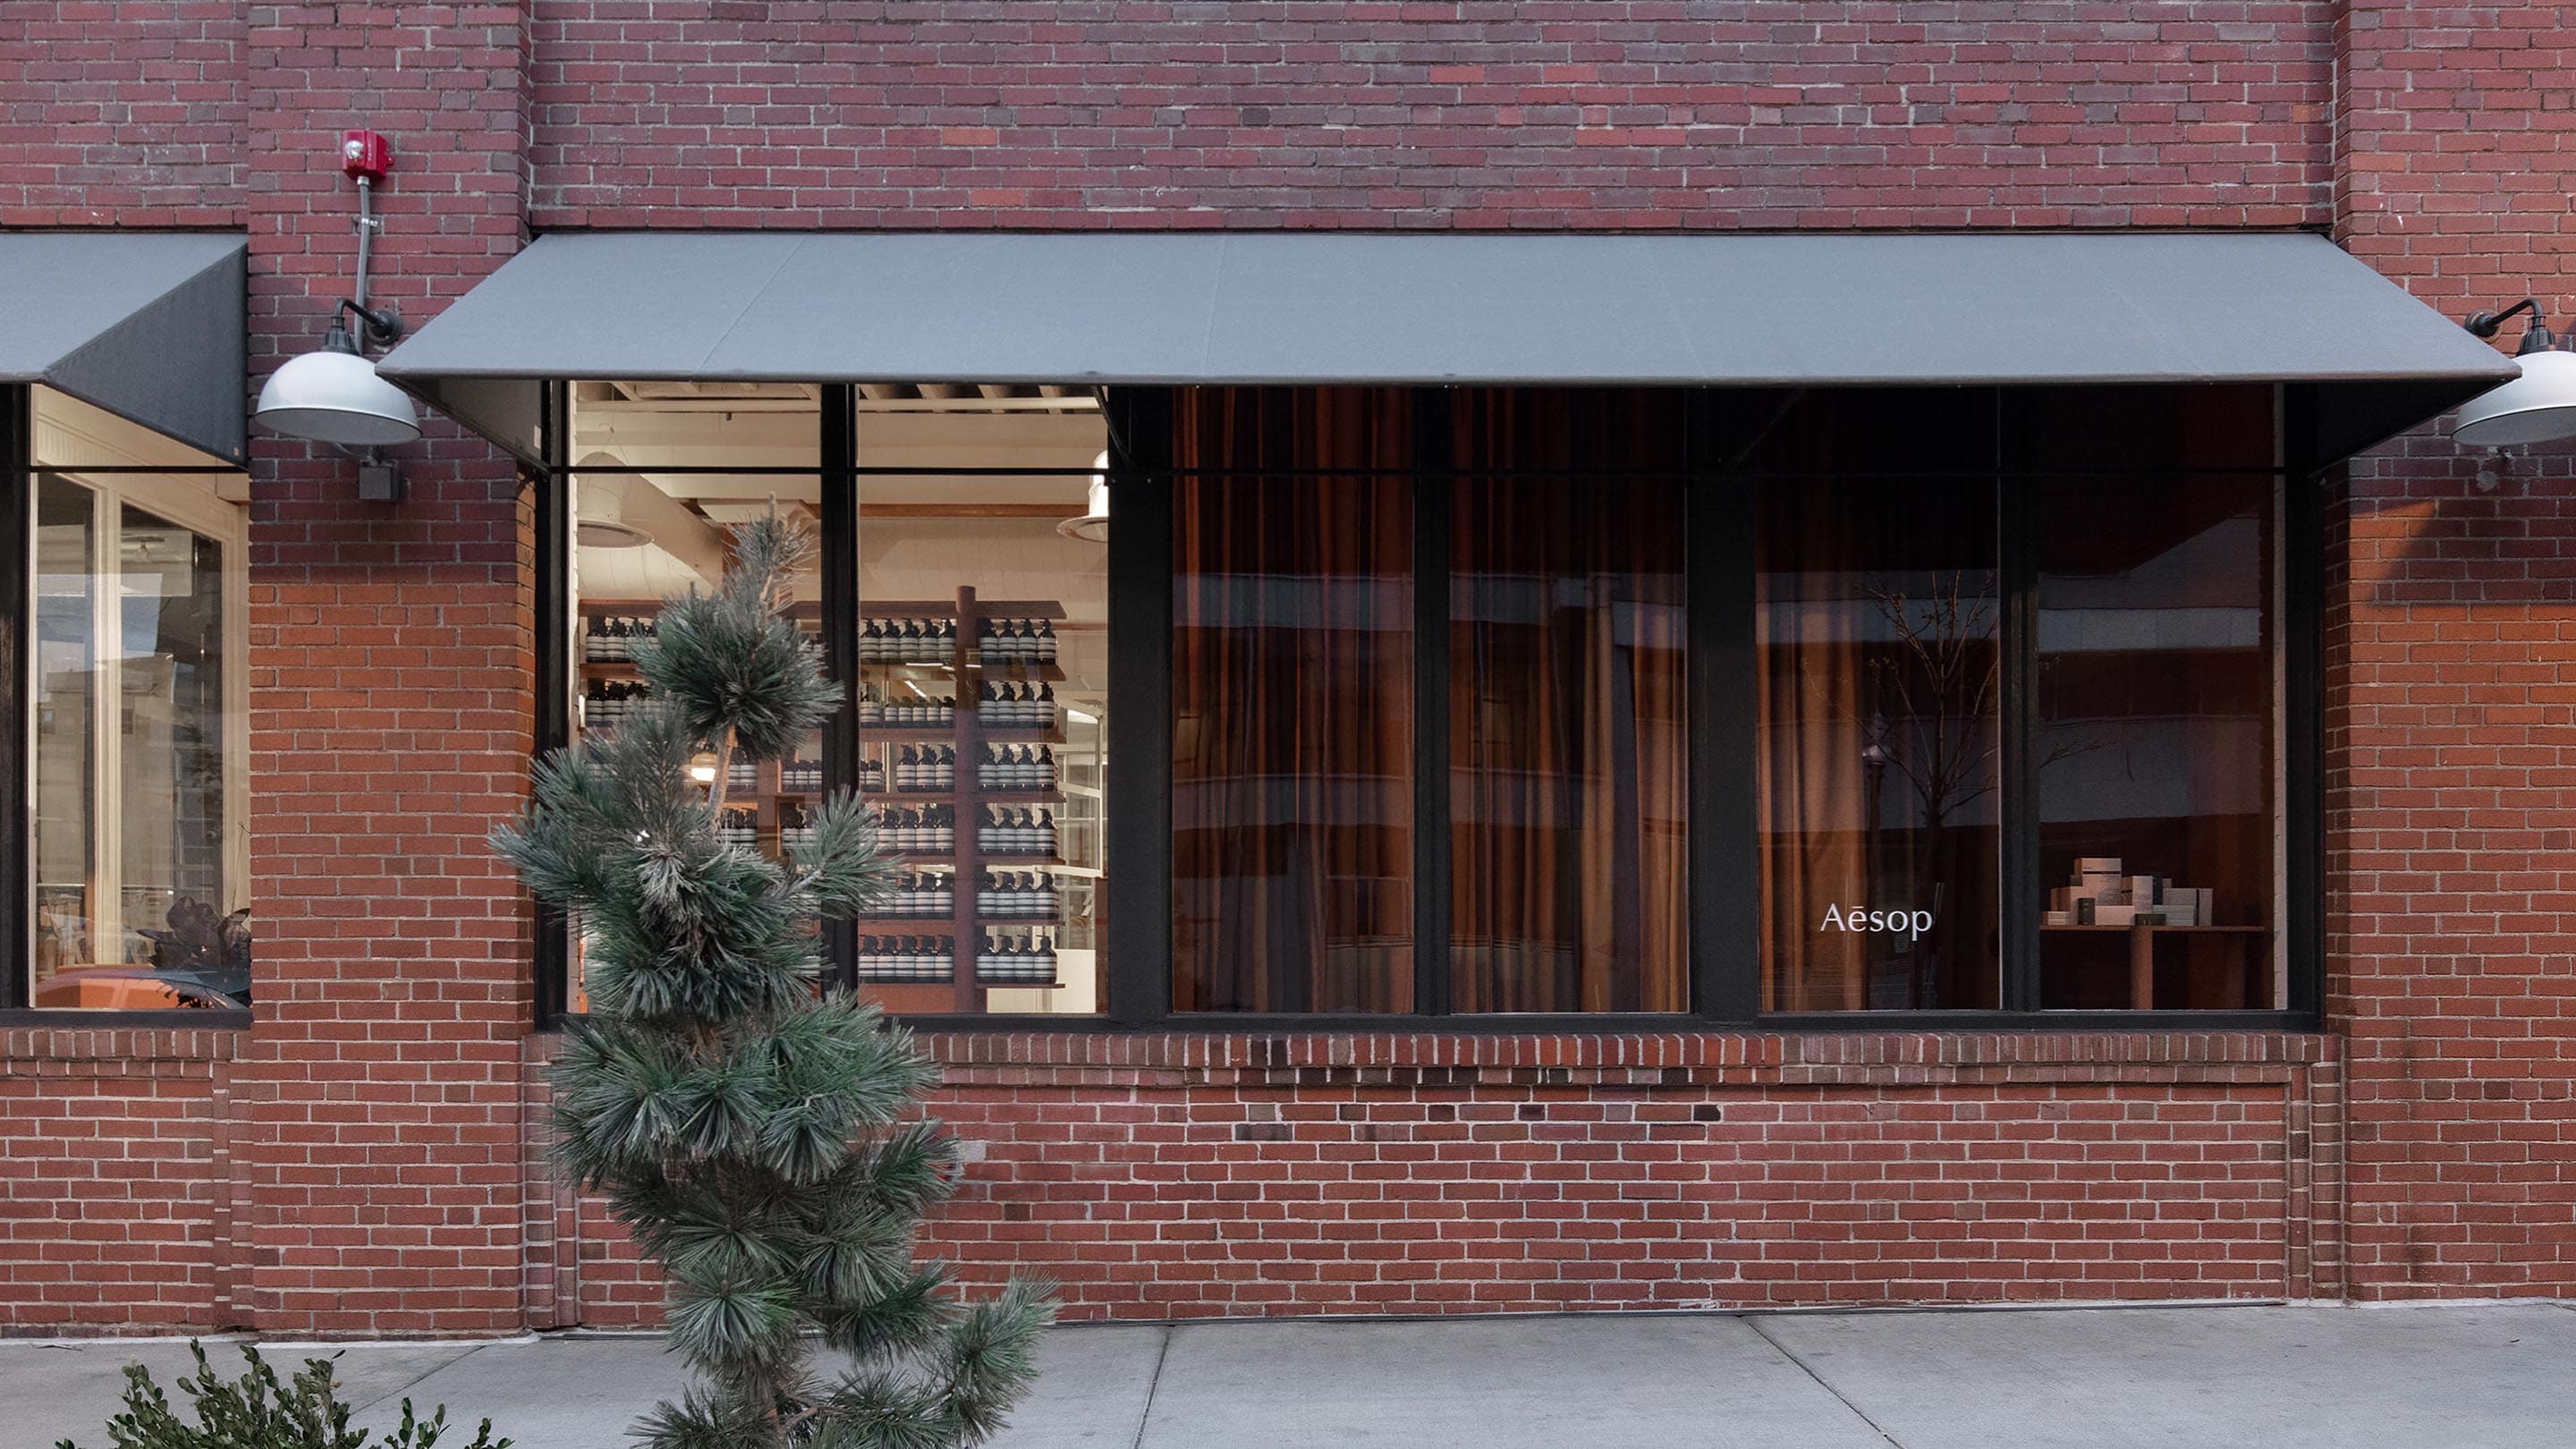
{"x": 333, "y": 395}
{"x": 1093, "y": 525}
{"x": 2537, "y": 407}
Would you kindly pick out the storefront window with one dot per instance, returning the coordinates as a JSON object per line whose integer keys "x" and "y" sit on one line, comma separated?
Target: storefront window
{"x": 1569, "y": 758}
{"x": 66, "y": 715}
{"x": 1446, "y": 673}
{"x": 1292, "y": 715}
{"x": 1298, "y": 690}
{"x": 981, "y": 632}
{"x": 653, "y": 500}
{"x": 1880, "y": 744}
{"x": 2155, "y": 742}
{"x": 984, "y": 712}
{"x": 139, "y": 731}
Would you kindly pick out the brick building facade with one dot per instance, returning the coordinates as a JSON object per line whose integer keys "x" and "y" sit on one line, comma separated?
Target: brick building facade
{"x": 365, "y": 1157}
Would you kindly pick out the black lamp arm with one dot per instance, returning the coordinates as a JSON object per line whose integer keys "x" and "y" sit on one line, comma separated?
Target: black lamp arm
{"x": 2537, "y": 339}
{"x": 383, "y": 326}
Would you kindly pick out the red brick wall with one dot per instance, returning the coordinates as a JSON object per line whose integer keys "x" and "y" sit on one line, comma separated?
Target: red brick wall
{"x": 122, "y": 113}
{"x": 1178, "y": 1177}
{"x": 365, "y": 1165}
{"x": 391, "y": 712}
{"x": 116, "y": 1183}
{"x": 1468, "y": 113}
{"x": 2451, "y": 672}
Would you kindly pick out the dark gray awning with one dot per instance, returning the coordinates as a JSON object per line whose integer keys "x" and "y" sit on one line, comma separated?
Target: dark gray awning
{"x": 1321, "y": 307}
{"x": 148, "y": 325}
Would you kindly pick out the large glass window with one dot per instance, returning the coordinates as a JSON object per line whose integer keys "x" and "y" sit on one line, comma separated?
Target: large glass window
{"x": 2158, "y": 697}
{"x": 984, "y": 712}
{"x": 1298, "y": 682}
{"x": 1941, "y": 621}
{"x": 1293, "y": 716}
{"x": 980, "y": 630}
{"x": 1879, "y": 761}
{"x": 2155, "y": 744}
{"x": 1488, "y": 701}
{"x": 139, "y": 730}
{"x": 661, "y": 471}
{"x": 1568, "y": 734}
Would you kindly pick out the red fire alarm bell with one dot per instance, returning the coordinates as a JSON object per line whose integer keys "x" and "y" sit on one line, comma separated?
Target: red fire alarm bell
{"x": 366, "y": 155}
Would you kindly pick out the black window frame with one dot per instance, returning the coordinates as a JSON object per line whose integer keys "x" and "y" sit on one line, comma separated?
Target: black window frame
{"x": 1723, "y": 973}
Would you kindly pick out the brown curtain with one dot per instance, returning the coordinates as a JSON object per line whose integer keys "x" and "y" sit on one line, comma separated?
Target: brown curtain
{"x": 1809, "y": 765}
{"x": 1568, "y": 745}
{"x": 1292, "y": 699}
{"x": 1878, "y": 744}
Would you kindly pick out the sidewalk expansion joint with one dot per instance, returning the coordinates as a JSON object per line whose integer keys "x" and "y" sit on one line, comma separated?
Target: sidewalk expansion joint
{"x": 1145, "y": 1416}
{"x": 396, "y": 1395}
{"x": 1754, "y": 1322}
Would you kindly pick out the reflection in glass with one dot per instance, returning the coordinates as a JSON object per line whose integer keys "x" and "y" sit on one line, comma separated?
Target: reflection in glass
{"x": 170, "y": 723}
{"x": 135, "y": 901}
{"x": 1567, "y": 746}
{"x": 1292, "y": 706}
{"x": 1878, "y": 744}
{"x": 2155, "y": 744}
{"x": 1292, "y": 746}
{"x": 66, "y": 709}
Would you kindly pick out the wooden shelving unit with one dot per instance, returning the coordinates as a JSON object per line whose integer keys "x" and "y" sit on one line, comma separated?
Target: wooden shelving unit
{"x": 767, "y": 797}
{"x": 963, "y": 677}
{"x": 767, "y": 793}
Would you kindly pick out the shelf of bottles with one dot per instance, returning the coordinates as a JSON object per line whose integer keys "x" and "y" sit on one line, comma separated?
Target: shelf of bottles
{"x": 766, "y": 802}
{"x": 958, "y": 728}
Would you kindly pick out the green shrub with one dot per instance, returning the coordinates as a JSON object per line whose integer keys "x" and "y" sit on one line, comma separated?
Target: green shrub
{"x": 763, "y": 1143}
{"x": 259, "y": 1411}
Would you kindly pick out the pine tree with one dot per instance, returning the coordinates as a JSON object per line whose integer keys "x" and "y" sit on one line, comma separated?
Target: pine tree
{"x": 758, "y": 1139}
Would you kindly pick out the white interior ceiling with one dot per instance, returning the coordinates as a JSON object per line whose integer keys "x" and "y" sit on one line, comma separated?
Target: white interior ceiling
{"x": 922, "y": 535}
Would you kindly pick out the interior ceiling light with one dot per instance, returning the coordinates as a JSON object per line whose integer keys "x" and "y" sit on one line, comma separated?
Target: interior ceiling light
{"x": 2537, "y": 407}
{"x": 1093, "y": 525}
{"x": 334, "y": 395}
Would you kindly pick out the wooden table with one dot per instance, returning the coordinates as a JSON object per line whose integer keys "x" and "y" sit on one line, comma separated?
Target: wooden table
{"x": 2142, "y": 952}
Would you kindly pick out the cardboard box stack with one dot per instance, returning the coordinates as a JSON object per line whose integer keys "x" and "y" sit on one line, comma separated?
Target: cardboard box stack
{"x": 2101, "y": 894}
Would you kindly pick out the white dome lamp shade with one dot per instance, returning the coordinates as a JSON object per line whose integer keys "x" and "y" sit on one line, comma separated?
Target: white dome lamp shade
{"x": 2537, "y": 407}
{"x": 600, "y": 521}
{"x": 333, "y": 395}
{"x": 1093, "y": 525}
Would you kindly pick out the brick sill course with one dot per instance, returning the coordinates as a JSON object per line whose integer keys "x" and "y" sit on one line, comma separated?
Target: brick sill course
{"x": 1643, "y": 1061}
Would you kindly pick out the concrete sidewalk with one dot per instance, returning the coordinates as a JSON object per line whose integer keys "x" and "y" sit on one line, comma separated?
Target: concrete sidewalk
{"x": 2492, "y": 1374}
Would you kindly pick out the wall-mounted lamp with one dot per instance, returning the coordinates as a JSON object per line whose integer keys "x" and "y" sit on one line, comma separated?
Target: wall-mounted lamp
{"x": 334, "y": 395}
{"x": 2537, "y": 407}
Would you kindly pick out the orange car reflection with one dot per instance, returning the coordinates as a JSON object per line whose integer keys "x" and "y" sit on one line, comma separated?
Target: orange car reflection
{"x": 123, "y": 988}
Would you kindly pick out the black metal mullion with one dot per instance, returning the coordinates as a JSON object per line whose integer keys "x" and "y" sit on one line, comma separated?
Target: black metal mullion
{"x": 1137, "y": 804}
{"x": 17, "y": 495}
{"x": 1719, "y": 613}
{"x": 1434, "y": 454}
{"x": 837, "y": 511}
{"x": 2302, "y": 549}
{"x": 553, "y": 507}
{"x": 2017, "y": 566}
